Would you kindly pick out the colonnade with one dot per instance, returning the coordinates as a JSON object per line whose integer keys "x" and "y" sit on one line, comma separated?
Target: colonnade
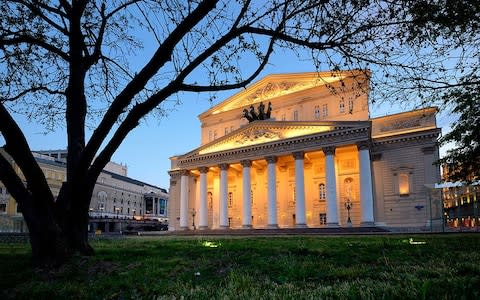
{"x": 366, "y": 192}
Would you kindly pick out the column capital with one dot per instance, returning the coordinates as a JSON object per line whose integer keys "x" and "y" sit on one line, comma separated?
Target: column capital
{"x": 184, "y": 172}
{"x": 271, "y": 159}
{"x": 246, "y": 163}
{"x": 203, "y": 170}
{"x": 298, "y": 154}
{"x": 329, "y": 150}
{"x": 223, "y": 167}
{"x": 363, "y": 145}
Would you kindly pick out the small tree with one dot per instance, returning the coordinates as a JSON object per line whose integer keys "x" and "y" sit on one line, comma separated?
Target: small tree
{"x": 70, "y": 63}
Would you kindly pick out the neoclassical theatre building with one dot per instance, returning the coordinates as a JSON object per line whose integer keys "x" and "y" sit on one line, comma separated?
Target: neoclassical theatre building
{"x": 301, "y": 150}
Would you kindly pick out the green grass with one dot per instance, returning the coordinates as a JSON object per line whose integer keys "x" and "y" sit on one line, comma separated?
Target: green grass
{"x": 296, "y": 267}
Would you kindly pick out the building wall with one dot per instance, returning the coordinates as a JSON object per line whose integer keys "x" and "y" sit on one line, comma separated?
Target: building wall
{"x": 411, "y": 209}
{"x": 297, "y": 106}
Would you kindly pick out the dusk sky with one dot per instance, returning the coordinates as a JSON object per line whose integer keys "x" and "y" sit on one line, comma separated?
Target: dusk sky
{"x": 147, "y": 149}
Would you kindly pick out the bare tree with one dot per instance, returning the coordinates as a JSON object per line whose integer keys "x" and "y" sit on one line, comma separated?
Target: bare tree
{"x": 70, "y": 63}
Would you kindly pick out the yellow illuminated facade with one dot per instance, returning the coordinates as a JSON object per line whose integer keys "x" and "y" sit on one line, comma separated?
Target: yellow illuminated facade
{"x": 318, "y": 160}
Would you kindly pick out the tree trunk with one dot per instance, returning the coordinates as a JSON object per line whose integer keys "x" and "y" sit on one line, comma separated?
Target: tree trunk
{"x": 49, "y": 247}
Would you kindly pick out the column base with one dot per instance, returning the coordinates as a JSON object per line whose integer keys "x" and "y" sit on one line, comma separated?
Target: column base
{"x": 272, "y": 226}
{"x": 367, "y": 224}
{"x": 348, "y": 224}
{"x": 224, "y": 227}
{"x": 247, "y": 226}
{"x": 203, "y": 228}
{"x": 332, "y": 225}
{"x": 184, "y": 228}
{"x": 303, "y": 225}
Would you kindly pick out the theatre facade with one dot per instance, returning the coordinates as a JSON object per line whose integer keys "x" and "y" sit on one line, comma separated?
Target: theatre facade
{"x": 301, "y": 150}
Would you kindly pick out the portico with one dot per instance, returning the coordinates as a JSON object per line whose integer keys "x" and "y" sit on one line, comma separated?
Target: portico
{"x": 298, "y": 189}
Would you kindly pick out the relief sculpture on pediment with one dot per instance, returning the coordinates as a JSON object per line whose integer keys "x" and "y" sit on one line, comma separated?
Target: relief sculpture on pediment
{"x": 255, "y": 136}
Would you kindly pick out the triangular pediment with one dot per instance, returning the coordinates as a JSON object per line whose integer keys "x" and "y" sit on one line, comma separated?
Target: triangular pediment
{"x": 276, "y": 85}
{"x": 262, "y": 132}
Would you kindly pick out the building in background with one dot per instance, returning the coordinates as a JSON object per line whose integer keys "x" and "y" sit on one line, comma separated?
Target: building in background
{"x": 115, "y": 195}
{"x": 461, "y": 203}
{"x": 301, "y": 150}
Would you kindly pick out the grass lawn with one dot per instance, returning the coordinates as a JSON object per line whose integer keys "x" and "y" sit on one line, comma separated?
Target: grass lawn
{"x": 293, "y": 267}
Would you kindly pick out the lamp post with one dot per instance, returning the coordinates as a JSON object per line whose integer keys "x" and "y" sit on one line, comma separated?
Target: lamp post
{"x": 348, "y": 207}
{"x": 193, "y": 218}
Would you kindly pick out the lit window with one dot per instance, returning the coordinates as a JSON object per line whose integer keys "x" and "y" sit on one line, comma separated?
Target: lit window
{"x": 325, "y": 110}
{"x": 322, "y": 191}
{"x": 341, "y": 106}
{"x": 317, "y": 112}
{"x": 403, "y": 184}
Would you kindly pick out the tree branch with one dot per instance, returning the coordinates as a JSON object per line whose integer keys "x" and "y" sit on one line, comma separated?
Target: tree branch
{"x": 26, "y": 39}
{"x": 33, "y": 90}
{"x": 161, "y": 56}
{"x": 17, "y": 147}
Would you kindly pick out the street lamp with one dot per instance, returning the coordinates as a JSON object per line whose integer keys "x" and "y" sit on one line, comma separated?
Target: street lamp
{"x": 348, "y": 207}
{"x": 193, "y": 218}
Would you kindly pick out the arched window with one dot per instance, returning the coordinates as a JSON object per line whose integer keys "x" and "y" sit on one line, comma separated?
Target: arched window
{"x": 322, "y": 193}
{"x": 403, "y": 184}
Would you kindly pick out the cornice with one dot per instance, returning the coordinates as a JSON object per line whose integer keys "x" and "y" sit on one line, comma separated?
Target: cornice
{"x": 281, "y": 147}
{"x": 423, "y": 136}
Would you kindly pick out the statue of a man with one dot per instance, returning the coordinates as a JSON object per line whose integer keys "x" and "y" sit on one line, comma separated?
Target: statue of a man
{"x": 261, "y": 111}
{"x": 269, "y": 110}
{"x": 253, "y": 114}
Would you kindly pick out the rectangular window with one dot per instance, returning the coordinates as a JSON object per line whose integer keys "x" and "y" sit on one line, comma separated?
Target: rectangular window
{"x": 341, "y": 106}
{"x": 317, "y": 112}
{"x": 215, "y": 134}
{"x": 231, "y": 128}
{"x": 323, "y": 219}
{"x": 324, "y": 110}
{"x": 284, "y": 117}
{"x": 3, "y": 207}
{"x": 209, "y": 135}
{"x": 230, "y": 199}
{"x": 295, "y": 115}
{"x": 350, "y": 105}
{"x": 163, "y": 206}
{"x": 226, "y": 130}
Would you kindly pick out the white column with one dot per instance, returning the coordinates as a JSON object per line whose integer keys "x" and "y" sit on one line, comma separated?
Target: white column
{"x": 299, "y": 190}
{"x": 366, "y": 192}
{"x": 331, "y": 176}
{"x": 246, "y": 193}
{"x": 203, "y": 222}
{"x": 272, "y": 191}
{"x": 223, "y": 196}
{"x": 184, "y": 201}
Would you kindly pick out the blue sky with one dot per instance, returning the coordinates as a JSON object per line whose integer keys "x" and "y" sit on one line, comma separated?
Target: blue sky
{"x": 147, "y": 148}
